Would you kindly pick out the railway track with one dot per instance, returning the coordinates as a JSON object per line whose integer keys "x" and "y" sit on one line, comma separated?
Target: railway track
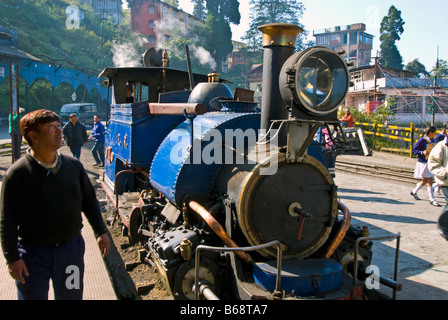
{"x": 380, "y": 171}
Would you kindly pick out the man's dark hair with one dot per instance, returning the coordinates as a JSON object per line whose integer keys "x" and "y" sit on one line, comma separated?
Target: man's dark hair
{"x": 31, "y": 121}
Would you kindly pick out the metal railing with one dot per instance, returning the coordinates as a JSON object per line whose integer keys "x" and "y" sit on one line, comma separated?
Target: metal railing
{"x": 406, "y": 134}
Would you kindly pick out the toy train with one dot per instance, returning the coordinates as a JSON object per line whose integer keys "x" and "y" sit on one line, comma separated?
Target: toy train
{"x": 230, "y": 200}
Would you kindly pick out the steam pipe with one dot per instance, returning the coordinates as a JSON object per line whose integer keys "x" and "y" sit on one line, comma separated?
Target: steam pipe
{"x": 217, "y": 228}
{"x": 342, "y": 230}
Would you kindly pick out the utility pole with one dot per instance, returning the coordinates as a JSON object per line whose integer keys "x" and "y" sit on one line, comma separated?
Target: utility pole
{"x": 375, "y": 77}
{"x": 433, "y": 120}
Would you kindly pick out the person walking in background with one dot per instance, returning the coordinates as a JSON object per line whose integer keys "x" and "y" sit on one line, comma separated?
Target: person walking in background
{"x": 14, "y": 131}
{"x": 438, "y": 165}
{"x": 75, "y": 135}
{"x": 422, "y": 149}
{"x": 442, "y": 134}
{"x": 98, "y": 137}
{"x": 347, "y": 120}
{"x": 42, "y": 197}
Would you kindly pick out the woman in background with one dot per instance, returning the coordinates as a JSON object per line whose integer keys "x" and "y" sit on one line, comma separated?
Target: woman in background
{"x": 421, "y": 167}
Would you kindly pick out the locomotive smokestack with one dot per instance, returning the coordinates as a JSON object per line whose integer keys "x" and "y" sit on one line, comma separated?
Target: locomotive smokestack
{"x": 278, "y": 42}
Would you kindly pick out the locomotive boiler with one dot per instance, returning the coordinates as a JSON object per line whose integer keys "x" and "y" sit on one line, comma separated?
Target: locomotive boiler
{"x": 230, "y": 200}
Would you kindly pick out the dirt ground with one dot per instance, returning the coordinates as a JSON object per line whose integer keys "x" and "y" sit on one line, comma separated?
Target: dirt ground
{"x": 132, "y": 279}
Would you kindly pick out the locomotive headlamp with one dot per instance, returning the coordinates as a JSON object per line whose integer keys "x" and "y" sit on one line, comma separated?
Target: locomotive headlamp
{"x": 315, "y": 80}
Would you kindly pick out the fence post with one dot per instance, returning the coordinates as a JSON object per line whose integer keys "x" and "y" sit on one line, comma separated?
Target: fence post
{"x": 375, "y": 129}
{"x": 412, "y": 139}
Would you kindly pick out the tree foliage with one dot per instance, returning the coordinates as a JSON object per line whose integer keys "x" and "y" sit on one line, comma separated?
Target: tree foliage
{"x": 199, "y": 10}
{"x": 391, "y": 29}
{"x": 277, "y": 11}
{"x": 440, "y": 70}
{"x": 418, "y": 67}
{"x": 220, "y": 13}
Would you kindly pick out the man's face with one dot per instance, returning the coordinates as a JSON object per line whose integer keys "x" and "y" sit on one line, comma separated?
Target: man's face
{"x": 49, "y": 135}
{"x": 74, "y": 119}
{"x": 96, "y": 119}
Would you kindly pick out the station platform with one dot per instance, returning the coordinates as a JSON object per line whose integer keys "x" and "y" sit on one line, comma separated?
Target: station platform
{"x": 386, "y": 208}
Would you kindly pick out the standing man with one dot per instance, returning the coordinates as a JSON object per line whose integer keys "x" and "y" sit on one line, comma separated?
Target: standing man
{"x": 75, "y": 135}
{"x": 14, "y": 131}
{"x": 438, "y": 165}
{"x": 98, "y": 136}
{"x": 42, "y": 197}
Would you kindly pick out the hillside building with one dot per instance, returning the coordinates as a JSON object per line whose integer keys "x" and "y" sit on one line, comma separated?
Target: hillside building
{"x": 107, "y": 9}
{"x": 413, "y": 98}
{"x": 352, "y": 39}
{"x": 159, "y": 21}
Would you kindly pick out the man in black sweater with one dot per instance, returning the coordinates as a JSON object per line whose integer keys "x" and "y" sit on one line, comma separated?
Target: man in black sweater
{"x": 75, "y": 135}
{"x": 42, "y": 197}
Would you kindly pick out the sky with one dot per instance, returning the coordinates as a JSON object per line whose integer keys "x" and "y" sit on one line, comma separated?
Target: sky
{"x": 425, "y": 28}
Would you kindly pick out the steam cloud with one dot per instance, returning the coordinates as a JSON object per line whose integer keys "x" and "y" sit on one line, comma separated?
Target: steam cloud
{"x": 126, "y": 54}
{"x": 172, "y": 24}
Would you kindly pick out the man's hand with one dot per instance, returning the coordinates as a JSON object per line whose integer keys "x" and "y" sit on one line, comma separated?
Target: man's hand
{"x": 18, "y": 270}
{"x": 104, "y": 244}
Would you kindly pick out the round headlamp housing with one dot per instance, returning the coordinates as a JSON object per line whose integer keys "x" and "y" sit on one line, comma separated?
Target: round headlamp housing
{"x": 315, "y": 80}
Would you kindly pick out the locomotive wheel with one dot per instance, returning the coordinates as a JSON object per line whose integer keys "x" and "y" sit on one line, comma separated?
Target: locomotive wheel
{"x": 184, "y": 278}
{"x": 135, "y": 221}
{"x": 300, "y": 216}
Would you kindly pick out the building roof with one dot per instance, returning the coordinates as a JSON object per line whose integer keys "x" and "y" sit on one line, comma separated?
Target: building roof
{"x": 13, "y": 52}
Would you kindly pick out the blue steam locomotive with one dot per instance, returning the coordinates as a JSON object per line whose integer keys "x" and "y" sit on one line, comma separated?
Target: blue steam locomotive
{"x": 230, "y": 200}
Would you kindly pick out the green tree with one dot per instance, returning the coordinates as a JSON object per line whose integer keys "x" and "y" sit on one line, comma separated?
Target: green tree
{"x": 418, "y": 67}
{"x": 174, "y": 3}
{"x": 440, "y": 70}
{"x": 391, "y": 29}
{"x": 277, "y": 11}
{"x": 220, "y": 13}
{"x": 199, "y": 10}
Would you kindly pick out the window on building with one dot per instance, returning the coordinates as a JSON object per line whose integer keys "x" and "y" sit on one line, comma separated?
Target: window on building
{"x": 151, "y": 24}
{"x": 152, "y": 39}
{"x": 187, "y": 19}
{"x": 174, "y": 14}
{"x": 322, "y": 40}
{"x": 368, "y": 40}
{"x": 151, "y": 9}
{"x": 165, "y": 10}
{"x": 335, "y": 37}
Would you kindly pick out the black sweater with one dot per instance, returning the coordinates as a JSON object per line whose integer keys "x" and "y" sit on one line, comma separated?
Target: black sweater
{"x": 42, "y": 207}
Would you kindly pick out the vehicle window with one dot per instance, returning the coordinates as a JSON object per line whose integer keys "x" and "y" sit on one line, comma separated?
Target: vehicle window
{"x": 69, "y": 109}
